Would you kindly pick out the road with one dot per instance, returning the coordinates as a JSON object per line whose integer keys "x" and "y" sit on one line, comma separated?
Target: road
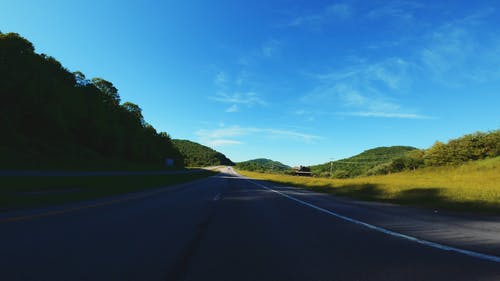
{"x": 227, "y": 227}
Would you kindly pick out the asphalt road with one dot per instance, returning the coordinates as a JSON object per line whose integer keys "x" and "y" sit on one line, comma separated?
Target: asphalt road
{"x": 229, "y": 228}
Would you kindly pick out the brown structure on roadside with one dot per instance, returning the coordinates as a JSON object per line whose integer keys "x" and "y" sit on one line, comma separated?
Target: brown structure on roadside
{"x": 301, "y": 171}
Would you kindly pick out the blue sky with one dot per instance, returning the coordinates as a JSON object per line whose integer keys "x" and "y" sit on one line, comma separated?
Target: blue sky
{"x": 300, "y": 82}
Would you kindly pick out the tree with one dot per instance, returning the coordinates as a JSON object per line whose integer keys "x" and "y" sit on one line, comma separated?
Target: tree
{"x": 13, "y": 44}
{"x": 81, "y": 80}
{"x": 49, "y": 113}
{"x": 135, "y": 110}
{"x": 108, "y": 90}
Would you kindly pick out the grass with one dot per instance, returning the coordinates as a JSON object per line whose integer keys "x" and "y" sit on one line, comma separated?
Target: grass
{"x": 65, "y": 157}
{"x": 29, "y": 192}
{"x": 474, "y": 186}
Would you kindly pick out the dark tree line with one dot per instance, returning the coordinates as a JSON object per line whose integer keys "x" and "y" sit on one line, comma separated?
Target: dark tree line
{"x": 45, "y": 105}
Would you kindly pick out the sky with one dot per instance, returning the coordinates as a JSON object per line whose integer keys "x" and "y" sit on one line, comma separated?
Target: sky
{"x": 300, "y": 82}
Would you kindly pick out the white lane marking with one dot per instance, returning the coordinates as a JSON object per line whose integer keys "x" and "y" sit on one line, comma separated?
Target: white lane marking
{"x": 386, "y": 231}
{"x": 217, "y": 197}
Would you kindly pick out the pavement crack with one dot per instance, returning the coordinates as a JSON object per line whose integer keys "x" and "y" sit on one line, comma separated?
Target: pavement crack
{"x": 181, "y": 267}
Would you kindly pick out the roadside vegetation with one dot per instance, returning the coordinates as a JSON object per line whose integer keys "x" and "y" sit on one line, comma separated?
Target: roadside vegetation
{"x": 462, "y": 174}
{"x": 263, "y": 165}
{"x": 473, "y": 186}
{"x": 197, "y": 155}
{"x": 39, "y": 191}
{"x": 51, "y": 117}
{"x": 361, "y": 164}
{"x": 387, "y": 160}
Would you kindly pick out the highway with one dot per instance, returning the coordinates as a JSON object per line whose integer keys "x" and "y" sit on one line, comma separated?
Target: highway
{"x": 227, "y": 227}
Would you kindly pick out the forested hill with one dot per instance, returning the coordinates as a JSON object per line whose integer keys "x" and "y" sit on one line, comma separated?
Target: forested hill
{"x": 50, "y": 116}
{"x": 360, "y": 164}
{"x": 262, "y": 165}
{"x": 197, "y": 155}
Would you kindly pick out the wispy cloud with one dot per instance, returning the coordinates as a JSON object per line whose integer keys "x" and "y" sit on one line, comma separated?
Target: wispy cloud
{"x": 234, "y": 135}
{"x": 222, "y": 142}
{"x": 249, "y": 99}
{"x": 229, "y": 92}
{"x": 365, "y": 90}
{"x": 394, "y": 73}
{"x": 232, "y": 108}
{"x": 403, "y": 10}
{"x": 342, "y": 11}
{"x": 461, "y": 52}
{"x": 270, "y": 48}
{"x": 386, "y": 115}
{"x": 339, "y": 11}
{"x": 221, "y": 79}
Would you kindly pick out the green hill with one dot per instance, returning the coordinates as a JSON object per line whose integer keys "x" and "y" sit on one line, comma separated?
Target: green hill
{"x": 471, "y": 186}
{"x": 471, "y": 147}
{"x": 360, "y": 164}
{"x": 197, "y": 155}
{"x": 262, "y": 165}
{"x": 53, "y": 118}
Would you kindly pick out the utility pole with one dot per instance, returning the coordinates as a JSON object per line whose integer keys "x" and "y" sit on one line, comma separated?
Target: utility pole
{"x": 331, "y": 166}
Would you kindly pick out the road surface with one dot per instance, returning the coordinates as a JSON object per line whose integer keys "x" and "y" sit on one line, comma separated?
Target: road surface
{"x": 227, "y": 227}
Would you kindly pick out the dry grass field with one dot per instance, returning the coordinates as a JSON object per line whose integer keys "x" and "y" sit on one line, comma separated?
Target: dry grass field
{"x": 474, "y": 186}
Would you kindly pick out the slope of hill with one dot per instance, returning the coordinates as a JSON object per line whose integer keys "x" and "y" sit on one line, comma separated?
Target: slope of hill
{"x": 197, "y": 155}
{"x": 360, "y": 164}
{"x": 471, "y": 186}
{"x": 471, "y": 147}
{"x": 262, "y": 165}
{"x": 50, "y": 116}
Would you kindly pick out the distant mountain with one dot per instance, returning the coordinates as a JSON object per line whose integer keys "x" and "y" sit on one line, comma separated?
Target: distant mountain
{"x": 262, "y": 165}
{"x": 197, "y": 155}
{"x": 360, "y": 164}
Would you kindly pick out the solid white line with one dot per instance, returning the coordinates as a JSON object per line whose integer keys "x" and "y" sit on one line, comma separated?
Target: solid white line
{"x": 386, "y": 231}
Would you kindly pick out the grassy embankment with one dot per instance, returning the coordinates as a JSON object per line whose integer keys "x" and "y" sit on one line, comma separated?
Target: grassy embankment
{"x": 27, "y": 192}
{"x": 474, "y": 186}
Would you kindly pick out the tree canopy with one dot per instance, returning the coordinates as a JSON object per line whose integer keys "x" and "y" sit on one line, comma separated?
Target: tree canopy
{"x": 360, "y": 164}
{"x": 48, "y": 110}
{"x": 197, "y": 155}
{"x": 263, "y": 165}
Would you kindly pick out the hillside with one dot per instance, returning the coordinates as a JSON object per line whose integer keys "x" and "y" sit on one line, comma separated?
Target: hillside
{"x": 471, "y": 186}
{"x": 197, "y": 155}
{"x": 262, "y": 165}
{"x": 51, "y": 117}
{"x": 360, "y": 164}
{"x": 471, "y": 147}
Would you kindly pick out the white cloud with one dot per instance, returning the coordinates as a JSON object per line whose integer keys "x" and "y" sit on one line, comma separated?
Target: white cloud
{"x": 459, "y": 53}
{"x": 221, "y": 79}
{"x": 393, "y": 73}
{"x": 290, "y": 135}
{"x": 249, "y": 99}
{"x": 454, "y": 53}
{"x": 338, "y": 11}
{"x": 342, "y": 11}
{"x": 232, "y": 108}
{"x": 270, "y": 48}
{"x": 395, "y": 9}
{"x": 366, "y": 90}
{"x": 386, "y": 115}
{"x": 222, "y": 142}
{"x": 232, "y": 135}
{"x": 231, "y": 91}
